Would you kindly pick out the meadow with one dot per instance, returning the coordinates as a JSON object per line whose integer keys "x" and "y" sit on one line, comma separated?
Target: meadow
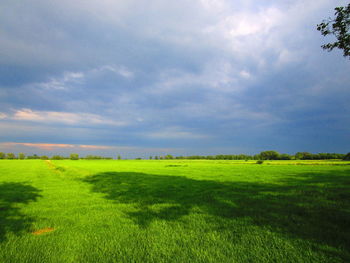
{"x": 174, "y": 211}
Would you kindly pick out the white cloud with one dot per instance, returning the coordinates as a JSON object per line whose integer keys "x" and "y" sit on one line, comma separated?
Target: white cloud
{"x": 251, "y": 23}
{"x": 3, "y": 115}
{"x": 176, "y": 133}
{"x": 120, "y": 70}
{"x": 63, "y": 83}
{"x": 62, "y": 117}
{"x": 47, "y": 146}
{"x": 70, "y": 79}
{"x": 72, "y": 76}
{"x": 245, "y": 74}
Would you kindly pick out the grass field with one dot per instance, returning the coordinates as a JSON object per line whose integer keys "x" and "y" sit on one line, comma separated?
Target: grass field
{"x": 174, "y": 211}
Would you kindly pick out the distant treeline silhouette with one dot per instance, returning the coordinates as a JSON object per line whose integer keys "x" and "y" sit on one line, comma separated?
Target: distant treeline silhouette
{"x": 265, "y": 155}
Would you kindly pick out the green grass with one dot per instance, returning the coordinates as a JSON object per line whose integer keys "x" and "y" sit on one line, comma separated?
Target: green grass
{"x": 174, "y": 211}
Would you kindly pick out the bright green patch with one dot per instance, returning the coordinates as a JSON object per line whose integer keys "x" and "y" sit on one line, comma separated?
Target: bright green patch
{"x": 174, "y": 211}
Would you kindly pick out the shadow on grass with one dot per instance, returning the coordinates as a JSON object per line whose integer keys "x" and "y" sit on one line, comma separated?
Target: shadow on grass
{"x": 11, "y": 218}
{"x": 309, "y": 206}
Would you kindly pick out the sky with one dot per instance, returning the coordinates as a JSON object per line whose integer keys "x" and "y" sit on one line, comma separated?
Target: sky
{"x": 140, "y": 78}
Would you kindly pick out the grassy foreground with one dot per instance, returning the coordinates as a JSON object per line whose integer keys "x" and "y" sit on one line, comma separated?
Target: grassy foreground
{"x": 173, "y": 211}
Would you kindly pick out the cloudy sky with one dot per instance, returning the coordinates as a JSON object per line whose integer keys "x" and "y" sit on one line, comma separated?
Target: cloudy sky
{"x": 152, "y": 77}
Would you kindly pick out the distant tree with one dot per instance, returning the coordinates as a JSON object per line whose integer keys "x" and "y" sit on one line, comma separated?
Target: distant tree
{"x": 96, "y": 157}
{"x": 298, "y": 155}
{"x": 168, "y": 156}
{"x": 21, "y": 156}
{"x": 2, "y": 155}
{"x": 269, "y": 155}
{"x": 74, "y": 156}
{"x": 119, "y": 157}
{"x": 57, "y": 157}
{"x": 44, "y": 157}
{"x": 340, "y": 28}
{"x": 337, "y": 155}
{"x": 347, "y": 157}
{"x": 34, "y": 156}
{"x": 285, "y": 156}
{"x": 303, "y": 156}
{"x": 156, "y": 157}
{"x": 10, "y": 156}
{"x": 257, "y": 157}
{"x": 150, "y": 157}
{"x": 308, "y": 156}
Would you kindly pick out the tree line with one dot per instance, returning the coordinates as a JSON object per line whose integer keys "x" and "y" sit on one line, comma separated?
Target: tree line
{"x": 265, "y": 155}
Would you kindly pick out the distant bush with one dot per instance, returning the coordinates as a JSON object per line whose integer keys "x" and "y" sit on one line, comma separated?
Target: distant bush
{"x": 35, "y": 156}
{"x": 269, "y": 155}
{"x": 57, "y": 157}
{"x": 285, "y": 156}
{"x": 168, "y": 157}
{"x": 259, "y": 162}
{"x": 96, "y": 157}
{"x": 347, "y": 157}
{"x": 318, "y": 156}
{"x": 10, "y": 156}
{"x": 74, "y": 156}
